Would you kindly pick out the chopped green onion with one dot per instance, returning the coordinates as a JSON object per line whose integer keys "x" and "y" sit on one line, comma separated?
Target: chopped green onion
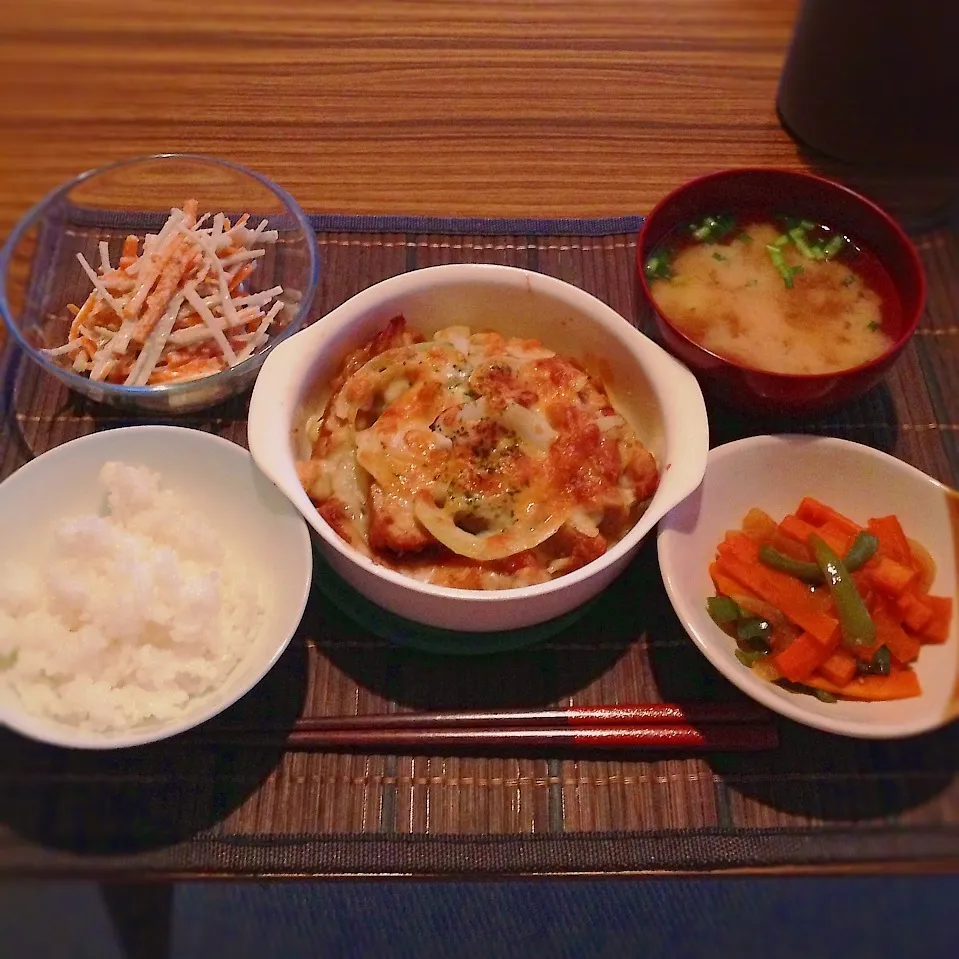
{"x": 779, "y": 261}
{"x": 798, "y": 236}
{"x": 657, "y": 267}
{"x": 723, "y": 610}
{"x": 833, "y": 247}
{"x": 824, "y": 696}
{"x": 712, "y": 227}
{"x": 745, "y": 238}
{"x": 873, "y": 326}
{"x": 781, "y": 241}
{"x": 720, "y": 257}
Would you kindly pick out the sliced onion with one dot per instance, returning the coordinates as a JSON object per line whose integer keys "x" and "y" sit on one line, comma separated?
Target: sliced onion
{"x": 531, "y": 427}
{"x": 536, "y": 527}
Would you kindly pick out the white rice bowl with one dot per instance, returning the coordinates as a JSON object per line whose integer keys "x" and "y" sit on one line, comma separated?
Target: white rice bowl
{"x": 131, "y": 615}
{"x": 155, "y": 599}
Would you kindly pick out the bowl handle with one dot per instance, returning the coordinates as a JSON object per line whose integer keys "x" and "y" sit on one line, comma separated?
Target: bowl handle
{"x": 271, "y": 409}
{"x": 686, "y": 460}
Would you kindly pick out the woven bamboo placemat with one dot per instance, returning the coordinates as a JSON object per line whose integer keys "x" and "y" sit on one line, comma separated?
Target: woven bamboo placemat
{"x": 186, "y": 809}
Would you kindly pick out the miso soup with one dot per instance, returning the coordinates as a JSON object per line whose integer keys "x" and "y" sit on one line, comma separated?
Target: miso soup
{"x": 775, "y": 293}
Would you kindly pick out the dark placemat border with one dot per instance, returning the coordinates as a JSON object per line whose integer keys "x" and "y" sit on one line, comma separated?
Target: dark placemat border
{"x": 474, "y": 226}
{"x": 654, "y": 852}
{"x": 401, "y": 223}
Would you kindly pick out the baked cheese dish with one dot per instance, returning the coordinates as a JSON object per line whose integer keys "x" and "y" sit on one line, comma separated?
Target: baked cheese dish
{"x": 473, "y": 460}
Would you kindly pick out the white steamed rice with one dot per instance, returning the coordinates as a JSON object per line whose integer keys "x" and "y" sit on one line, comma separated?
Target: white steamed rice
{"x": 131, "y": 615}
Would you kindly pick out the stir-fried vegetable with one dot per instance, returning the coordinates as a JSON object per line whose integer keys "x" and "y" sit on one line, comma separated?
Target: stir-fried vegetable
{"x": 857, "y": 626}
{"x": 826, "y": 607}
{"x": 863, "y": 548}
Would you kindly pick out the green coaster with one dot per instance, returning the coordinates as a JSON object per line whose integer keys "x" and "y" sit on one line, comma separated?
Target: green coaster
{"x": 430, "y": 639}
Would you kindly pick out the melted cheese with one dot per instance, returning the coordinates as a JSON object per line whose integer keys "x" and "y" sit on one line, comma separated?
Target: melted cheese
{"x": 474, "y": 459}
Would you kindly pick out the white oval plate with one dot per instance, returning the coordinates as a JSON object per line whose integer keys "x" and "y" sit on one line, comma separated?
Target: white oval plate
{"x": 774, "y": 473}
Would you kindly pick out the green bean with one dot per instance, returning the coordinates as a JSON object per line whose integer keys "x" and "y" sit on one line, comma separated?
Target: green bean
{"x": 807, "y": 572}
{"x": 879, "y": 665}
{"x": 754, "y": 633}
{"x": 749, "y": 656}
{"x": 723, "y": 610}
{"x": 863, "y": 549}
{"x": 857, "y": 626}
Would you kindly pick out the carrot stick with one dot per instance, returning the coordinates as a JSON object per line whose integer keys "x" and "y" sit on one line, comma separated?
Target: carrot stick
{"x": 726, "y": 585}
{"x": 812, "y": 511}
{"x": 890, "y": 634}
{"x": 937, "y": 631}
{"x": 837, "y": 536}
{"x": 891, "y": 577}
{"x": 788, "y": 595}
{"x": 240, "y": 276}
{"x": 915, "y": 613}
{"x": 801, "y": 657}
{"x": 839, "y": 668}
{"x": 892, "y": 539}
{"x": 129, "y": 252}
{"x": 789, "y": 546}
{"x": 801, "y": 530}
{"x": 901, "y": 685}
{"x": 740, "y": 546}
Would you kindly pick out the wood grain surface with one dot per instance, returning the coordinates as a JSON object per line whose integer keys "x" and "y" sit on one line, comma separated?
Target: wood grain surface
{"x": 543, "y": 107}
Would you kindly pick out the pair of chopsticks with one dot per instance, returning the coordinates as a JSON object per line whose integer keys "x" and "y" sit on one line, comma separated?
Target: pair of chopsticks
{"x": 715, "y": 726}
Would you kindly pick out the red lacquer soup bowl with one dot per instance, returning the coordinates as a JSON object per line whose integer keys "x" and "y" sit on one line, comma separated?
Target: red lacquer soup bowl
{"x": 871, "y": 229}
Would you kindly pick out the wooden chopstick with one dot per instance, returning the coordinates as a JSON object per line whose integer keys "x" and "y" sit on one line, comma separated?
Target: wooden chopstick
{"x": 716, "y": 738}
{"x": 651, "y": 726}
{"x": 578, "y": 717}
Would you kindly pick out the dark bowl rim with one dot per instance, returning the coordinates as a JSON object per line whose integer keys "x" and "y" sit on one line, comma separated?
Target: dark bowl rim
{"x": 118, "y": 390}
{"x": 886, "y": 218}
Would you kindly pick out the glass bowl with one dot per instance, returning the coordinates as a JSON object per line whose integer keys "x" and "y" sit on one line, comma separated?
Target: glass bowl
{"x": 41, "y": 274}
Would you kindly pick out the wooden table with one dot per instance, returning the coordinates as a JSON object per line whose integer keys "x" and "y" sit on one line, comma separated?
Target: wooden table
{"x": 552, "y": 107}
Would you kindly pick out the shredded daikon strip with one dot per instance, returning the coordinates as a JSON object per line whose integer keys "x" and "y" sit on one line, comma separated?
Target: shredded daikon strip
{"x": 66, "y": 348}
{"x": 241, "y": 257}
{"x": 257, "y": 299}
{"x": 212, "y": 323}
{"x": 238, "y": 226}
{"x": 105, "y": 257}
{"x": 260, "y": 335}
{"x": 115, "y": 304}
{"x": 150, "y": 354}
